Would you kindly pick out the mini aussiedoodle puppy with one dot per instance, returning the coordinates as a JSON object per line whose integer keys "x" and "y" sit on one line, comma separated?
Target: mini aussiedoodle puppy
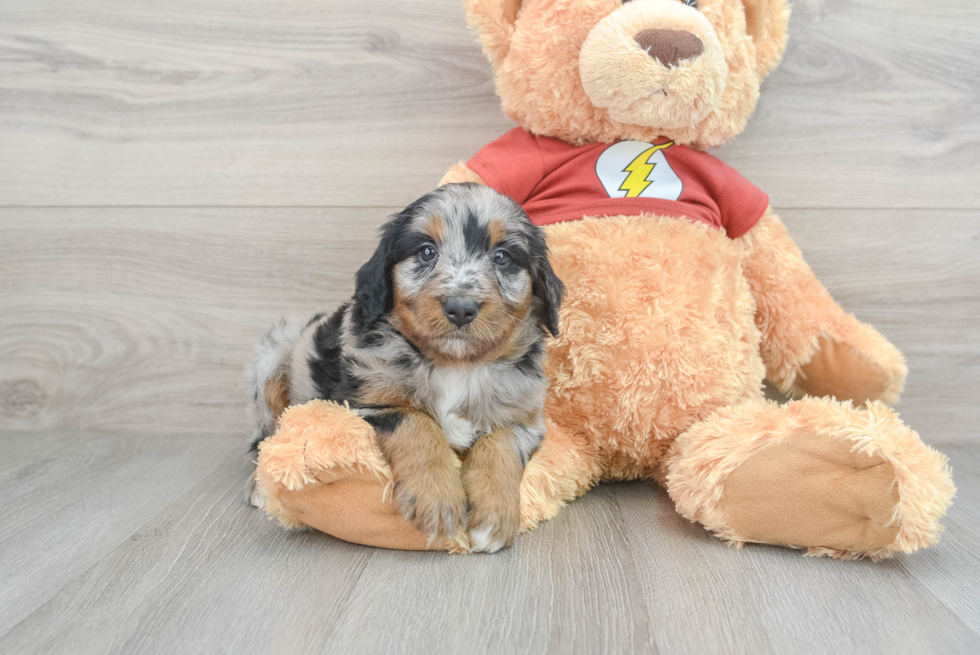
{"x": 441, "y": 351}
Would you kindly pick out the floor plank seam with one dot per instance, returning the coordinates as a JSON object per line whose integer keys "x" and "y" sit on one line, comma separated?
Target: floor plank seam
{"x": 624, "y": 534}
{"x": 951, "y": 612}
{"x": 342, "y": 608}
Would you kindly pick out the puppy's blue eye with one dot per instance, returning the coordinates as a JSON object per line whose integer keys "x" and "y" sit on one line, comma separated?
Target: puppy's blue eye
{"x": 500, "y": 258}
{"x": 427, "y": 253}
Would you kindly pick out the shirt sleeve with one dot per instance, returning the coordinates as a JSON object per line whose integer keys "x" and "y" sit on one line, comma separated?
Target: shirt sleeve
{"x": 741, "y": 203}
{"x": 512, "y": 164}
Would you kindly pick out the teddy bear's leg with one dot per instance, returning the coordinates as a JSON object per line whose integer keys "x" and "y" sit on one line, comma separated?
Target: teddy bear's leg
{"x": 562, "y": 469}
{"x": 323, "y": 469}
{"x": 460, "y": 173}
{"x": 815, "y": 474}
{"x": 809, "y": 344}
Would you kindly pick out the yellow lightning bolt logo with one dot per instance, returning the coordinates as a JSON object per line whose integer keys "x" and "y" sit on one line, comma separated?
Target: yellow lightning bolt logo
{"x": 639, "y": 172}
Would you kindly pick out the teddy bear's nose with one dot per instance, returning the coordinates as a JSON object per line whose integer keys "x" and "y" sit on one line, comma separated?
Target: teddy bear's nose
{"x": 670, "y": 46}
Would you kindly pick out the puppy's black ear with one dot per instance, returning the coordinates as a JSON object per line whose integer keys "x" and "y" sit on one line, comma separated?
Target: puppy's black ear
{"x": 373, "y": 296}
{"x": 372, "y": 288}
{"x": 548, "y": 290}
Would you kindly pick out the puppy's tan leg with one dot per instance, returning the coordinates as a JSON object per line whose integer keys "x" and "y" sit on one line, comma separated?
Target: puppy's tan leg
{"x": 492, "y": 477}
{"x": 428, "y": 489}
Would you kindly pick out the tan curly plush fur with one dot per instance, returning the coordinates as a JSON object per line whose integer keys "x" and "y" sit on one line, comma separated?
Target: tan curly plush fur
{"x": 668, "y": 327}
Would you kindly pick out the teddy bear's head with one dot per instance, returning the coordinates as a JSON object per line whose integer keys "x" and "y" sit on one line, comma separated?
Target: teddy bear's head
{"x": 607, "y": 70}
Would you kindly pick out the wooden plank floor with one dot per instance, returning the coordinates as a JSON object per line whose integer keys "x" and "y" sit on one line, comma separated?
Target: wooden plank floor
{"x": 135, "y": 544}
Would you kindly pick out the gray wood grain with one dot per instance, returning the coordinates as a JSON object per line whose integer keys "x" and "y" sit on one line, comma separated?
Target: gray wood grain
{"x": 126, "y": 319}
{"x": 569, "y": 587}
{"x": 78, "y": 497}
{"x": 766, "y": 599}
{"x": 208, "y": 560}
{"x": 113, "y": 318}
{"x": 875, "y": 105}
{"x": 952, "y": 573}
{"x": 209, "y": 572}
{"x": 134, "y": 102}
{"x": 197, "y": 571}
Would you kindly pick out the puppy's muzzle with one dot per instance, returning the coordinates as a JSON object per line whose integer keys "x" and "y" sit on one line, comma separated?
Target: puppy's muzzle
{"x": 460, "y": 310}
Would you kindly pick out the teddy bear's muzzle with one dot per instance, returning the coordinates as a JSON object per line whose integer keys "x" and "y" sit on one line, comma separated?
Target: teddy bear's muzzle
{"x": 655, "y": 64}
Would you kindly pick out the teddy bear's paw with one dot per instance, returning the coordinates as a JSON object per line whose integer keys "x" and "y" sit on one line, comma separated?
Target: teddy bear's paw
{"x": 815, "y": 474}
{"x": 867, "y": 369}
{"x": 815, "y": 491}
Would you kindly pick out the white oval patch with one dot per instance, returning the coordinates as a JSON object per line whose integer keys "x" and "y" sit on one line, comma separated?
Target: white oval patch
{"x": 636, "y": 169}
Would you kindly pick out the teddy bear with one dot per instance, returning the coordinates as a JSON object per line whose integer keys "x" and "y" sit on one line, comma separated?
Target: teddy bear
{"x": 684, "y": 291}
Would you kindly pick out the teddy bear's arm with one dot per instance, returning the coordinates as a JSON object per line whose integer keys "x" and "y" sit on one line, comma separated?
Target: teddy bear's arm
{"x": 810, "y": 346}
{"x": 460, "y": 173}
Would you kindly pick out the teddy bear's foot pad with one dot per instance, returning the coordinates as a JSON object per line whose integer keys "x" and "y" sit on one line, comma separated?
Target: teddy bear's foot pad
{"x": 816, "y": 491}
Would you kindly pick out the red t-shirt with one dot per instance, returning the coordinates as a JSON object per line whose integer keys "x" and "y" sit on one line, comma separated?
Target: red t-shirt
{"x": 555, "y": 181}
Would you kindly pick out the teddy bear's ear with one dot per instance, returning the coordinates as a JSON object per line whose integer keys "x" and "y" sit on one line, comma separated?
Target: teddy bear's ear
{"x": 765, "y": 22}
{"x": 493, "y": 21}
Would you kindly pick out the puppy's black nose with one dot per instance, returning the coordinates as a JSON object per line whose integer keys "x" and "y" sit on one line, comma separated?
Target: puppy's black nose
{"x": 460, "y": 310}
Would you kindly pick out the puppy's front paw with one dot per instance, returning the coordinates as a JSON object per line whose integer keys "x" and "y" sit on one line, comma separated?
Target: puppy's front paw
{"x": 436, "y": 506}
{"x": 492, "y": 534}
{"x": 254, "y": 495}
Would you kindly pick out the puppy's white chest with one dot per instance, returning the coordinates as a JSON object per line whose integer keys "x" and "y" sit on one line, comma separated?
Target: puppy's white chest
{"x": 458, "y": 395}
